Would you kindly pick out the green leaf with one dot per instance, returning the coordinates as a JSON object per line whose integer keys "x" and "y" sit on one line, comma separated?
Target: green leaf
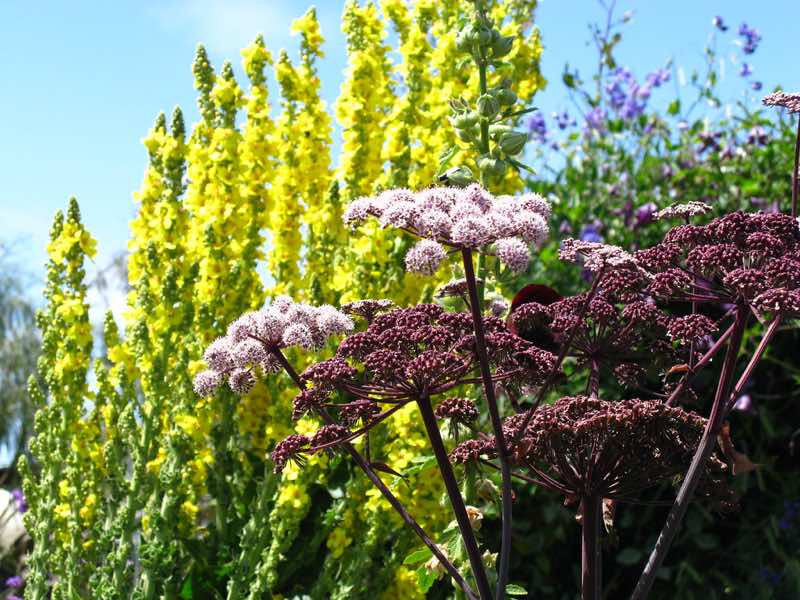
{"x": 629, "y": 556}
{"x": 418, "y": 556}
{"x": 186, "y": 590}
{"x": 513, "y": 589}
{"x": 425, "y": 579}
{"x": 674, "y": 107}
{"x": 444, "y": 159}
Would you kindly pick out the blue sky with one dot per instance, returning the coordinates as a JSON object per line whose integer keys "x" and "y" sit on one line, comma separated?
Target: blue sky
{"x": 83, "y": 82}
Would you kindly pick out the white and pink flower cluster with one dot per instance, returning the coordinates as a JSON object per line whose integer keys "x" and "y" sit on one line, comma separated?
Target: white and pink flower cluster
{"x": 253, "y": 339}
{"x": 458, "y": 218}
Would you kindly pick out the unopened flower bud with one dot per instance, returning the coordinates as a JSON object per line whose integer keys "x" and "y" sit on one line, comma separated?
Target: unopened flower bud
{"x": 488, "y": 107}
{"x": 513, "y": 142}
{"x": 494, "y": 167}
{"x": 465, "y": 120}
{"x": 464, "y": 39}
{"x": 468, "y": 135}
{"x": 506, "y": 97}
{"x": 460, "y": 176}
{"x": 484, "y": 36}
{"x": 497, "y": 129}
{"x": 501, "y": 45}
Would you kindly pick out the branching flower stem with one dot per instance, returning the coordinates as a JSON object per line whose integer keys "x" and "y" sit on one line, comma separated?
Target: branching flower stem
{"x": 704, "y": 360}
{"x": 560, "y": 359}
{"x": 390, "y": 497}
{"x": 497, "y": 425}
{"x": 701, "y": 456}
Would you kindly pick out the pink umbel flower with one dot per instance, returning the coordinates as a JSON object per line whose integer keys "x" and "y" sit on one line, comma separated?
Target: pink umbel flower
{"x": 425, "y": 257}
{"x": 253, "y": 340}
{"x": 465, "y": 219}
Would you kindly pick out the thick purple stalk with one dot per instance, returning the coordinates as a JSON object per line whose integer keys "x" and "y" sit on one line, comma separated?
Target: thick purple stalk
{"x": 390, "y": 497}
{"x": 454, "y": 494}
{"x": 591, "y": 556}
{"x": 497, "y": 426}
{"x": 796, "y": 168}
{"x": 701, "y": 456}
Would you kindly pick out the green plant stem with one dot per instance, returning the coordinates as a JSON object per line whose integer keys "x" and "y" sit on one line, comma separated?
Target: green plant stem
{"x": 701, "y": 456}
{"x": 484, "y": 149}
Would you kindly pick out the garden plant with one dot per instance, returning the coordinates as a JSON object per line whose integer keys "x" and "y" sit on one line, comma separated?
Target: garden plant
{"x": 445, "y": 375}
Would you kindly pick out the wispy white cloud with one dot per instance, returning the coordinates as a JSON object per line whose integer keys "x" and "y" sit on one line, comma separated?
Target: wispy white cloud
{"x": 226, "y": 26}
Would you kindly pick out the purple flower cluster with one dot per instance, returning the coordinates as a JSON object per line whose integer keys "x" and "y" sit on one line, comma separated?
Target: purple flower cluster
{"x": 583, "y": 447}
{"x": 458, "y": 218}
{"x": 538, "y": 127}
{"x": 252, "y": 340}
{"x": 752, "y": 258}
{"x": 750, "y": 38}
{"x": 604, "y": 334}
{"x": 402, "y": 356}
{"x": 626, "y": 96}
{"x": 790, "y": 102}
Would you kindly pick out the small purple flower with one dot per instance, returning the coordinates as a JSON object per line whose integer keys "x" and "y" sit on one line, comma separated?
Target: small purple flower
{"x": 19, "y": 497}
{"x": 537, "y": 126}
{"x": 514, "y": 253}
{"x": 744, "y": 403}
{"x": 15, "y": 582}
{"x": 745, "y": 70}
{"x": 752, "y": 37}
{"x": 595, "y": 119}
{"x": 644, "y": 214}
{"x": 719, "y": 23}
{"x": 756, "y": 85}
{"x": 563, "y": 120}
{"x": 590, "y": 233}
{"x": 206, "y": 382}
{"x": 769, "y": 576}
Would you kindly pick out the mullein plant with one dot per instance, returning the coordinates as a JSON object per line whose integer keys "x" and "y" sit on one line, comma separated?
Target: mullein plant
{"x": 139, "y": 489}
{"x": 594, "y": 451}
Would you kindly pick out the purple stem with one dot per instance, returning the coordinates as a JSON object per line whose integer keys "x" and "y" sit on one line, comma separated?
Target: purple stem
{"x": 705, "y": 359}
{"x": 794, "y": 172}
{"x": 497, "y": 426}
{"x": 701, "y": 456}
{"x": 591, "y": 557}
{"x": 454, "y": 494}
{"x": 748, "y": 371}
{"x": 561, "y": 356}
{"x": 390, "y": 497}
